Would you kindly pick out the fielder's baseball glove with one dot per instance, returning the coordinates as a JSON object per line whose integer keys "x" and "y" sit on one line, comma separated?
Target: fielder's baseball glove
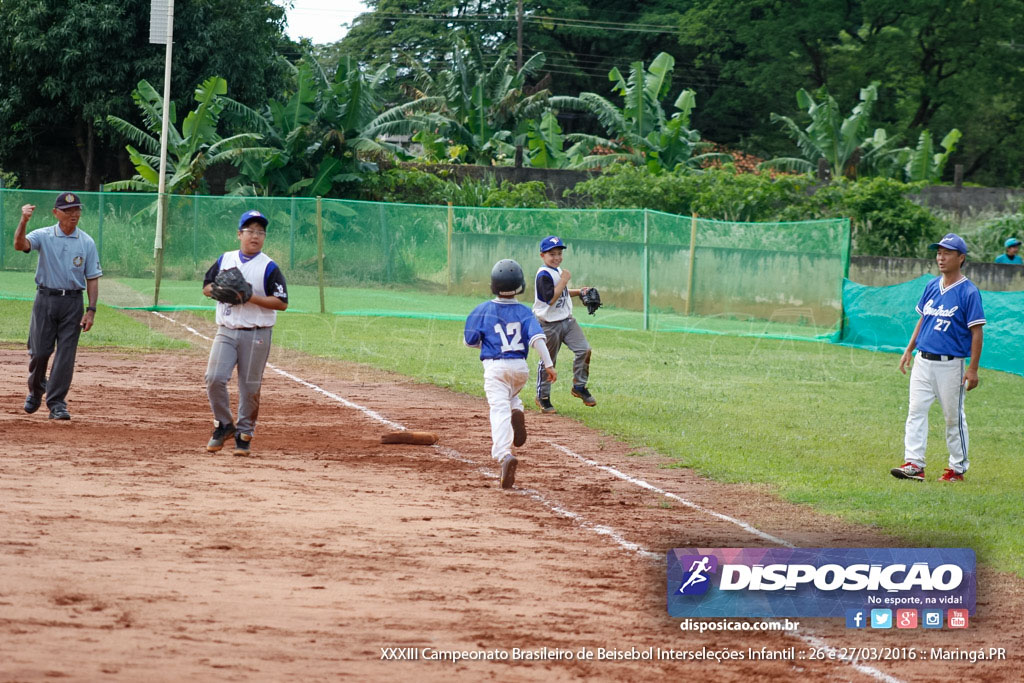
{"x": 591, "y": 299}
{"x": 230, "y": 287}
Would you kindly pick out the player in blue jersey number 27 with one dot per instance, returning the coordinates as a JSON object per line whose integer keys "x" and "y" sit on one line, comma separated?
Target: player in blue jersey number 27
{"x": 949, "y": 331}
{"x": 503, "y": 329}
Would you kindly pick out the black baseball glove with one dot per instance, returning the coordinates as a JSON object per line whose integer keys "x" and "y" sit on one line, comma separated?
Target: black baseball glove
{"x": 230, "y": 287}
{"x": 591, "y": 299}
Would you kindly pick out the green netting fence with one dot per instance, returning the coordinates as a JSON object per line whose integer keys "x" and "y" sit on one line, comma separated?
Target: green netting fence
{"x": 655, "y": 270}
{"x": 883, "y": 318}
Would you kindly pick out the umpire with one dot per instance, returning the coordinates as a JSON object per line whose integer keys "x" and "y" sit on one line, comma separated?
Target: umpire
{"x": 68, "y": 264}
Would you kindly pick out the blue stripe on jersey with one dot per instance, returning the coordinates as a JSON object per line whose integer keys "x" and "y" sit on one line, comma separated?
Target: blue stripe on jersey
{"x": 266, "y": 277}
{"x": 502, "y": 328}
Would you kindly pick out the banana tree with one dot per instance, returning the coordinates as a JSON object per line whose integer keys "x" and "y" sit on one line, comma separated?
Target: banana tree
{"x": 639, "y": 132}
{"x": 830, "y": 136}
{"x": 485, "y": 110}
{"x": 327, "y": 132}
{"x": 545, "y": 143}
{"x": 191, "y": 151}
{"x": 924, "y": 163}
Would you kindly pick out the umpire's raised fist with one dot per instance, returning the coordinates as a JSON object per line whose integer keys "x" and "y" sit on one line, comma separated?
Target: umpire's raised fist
{"x": 27, "y": 210}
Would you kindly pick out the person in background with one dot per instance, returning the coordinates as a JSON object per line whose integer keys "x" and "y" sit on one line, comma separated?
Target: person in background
{"x": 1011, "y": 257}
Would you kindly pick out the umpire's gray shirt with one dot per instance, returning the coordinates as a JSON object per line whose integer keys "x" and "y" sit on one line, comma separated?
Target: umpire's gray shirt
{"x": 65, "y": 261}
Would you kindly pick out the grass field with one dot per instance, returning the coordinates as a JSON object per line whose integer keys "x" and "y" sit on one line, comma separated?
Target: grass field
{"x": 817, "y": 423}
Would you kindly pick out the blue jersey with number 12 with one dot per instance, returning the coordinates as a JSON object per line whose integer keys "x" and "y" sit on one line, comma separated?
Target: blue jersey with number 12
{"x": 502, "y": 328}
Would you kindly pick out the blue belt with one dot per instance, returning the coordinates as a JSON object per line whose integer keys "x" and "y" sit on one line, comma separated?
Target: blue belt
{"x": 60, "y": 292}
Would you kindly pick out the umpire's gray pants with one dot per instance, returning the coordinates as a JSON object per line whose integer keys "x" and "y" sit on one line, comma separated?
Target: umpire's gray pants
{"x": 566, "y": 332}
{"x": 249, "y": 350}
{"x": 55, "y": 320}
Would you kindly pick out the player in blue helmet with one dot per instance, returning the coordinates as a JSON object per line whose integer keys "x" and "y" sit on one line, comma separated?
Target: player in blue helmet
{"x": 503, "y": 329}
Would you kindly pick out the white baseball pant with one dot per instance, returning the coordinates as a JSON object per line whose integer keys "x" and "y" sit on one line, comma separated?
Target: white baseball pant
{"x": 931, "y": 379}
{"x": 504, "y": 378}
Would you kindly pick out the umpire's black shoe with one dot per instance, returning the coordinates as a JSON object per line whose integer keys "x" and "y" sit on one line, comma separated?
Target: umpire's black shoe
{"x": 32, "y": 403}
{"x": 582, "y": 393}
{"x": 221, "y": 433}
{"x": 59, "y": 413}
{"x": 544, "y": 403}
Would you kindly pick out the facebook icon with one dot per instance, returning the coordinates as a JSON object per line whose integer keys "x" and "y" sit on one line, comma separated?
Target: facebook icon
{"x": 856, "y": 618}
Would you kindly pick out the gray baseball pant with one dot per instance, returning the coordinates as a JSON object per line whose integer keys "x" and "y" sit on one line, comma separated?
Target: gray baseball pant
{"x": 55, "y": 320}
{"x": 566, "y": 332}
{"x": 249, "y": 350}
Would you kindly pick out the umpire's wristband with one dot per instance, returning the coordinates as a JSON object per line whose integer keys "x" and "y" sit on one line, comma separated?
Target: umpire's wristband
{"x": 91, "y": 308}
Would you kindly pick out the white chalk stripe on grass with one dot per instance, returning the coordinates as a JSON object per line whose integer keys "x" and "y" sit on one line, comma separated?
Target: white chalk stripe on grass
{"x": 579, "y": 520}
{"x": 688, "y": 503}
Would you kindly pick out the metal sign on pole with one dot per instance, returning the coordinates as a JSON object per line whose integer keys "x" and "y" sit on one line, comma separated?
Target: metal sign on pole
{"x": 161, "y": 32}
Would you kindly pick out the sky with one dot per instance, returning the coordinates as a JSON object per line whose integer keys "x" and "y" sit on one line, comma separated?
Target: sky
{"x": 321, "y": 20}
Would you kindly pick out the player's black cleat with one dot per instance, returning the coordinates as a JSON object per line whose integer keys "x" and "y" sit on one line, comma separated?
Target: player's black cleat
{"x": 908, "y": 471}
{"x": 544, "y": 404}
{"x": 59, "y": 413}
{"x": 518, "y": 428}
{"x": 508, "y": 471}
{"x": 242, "y": 442}
{"x": 221, "y": 433}
{"x": 582, "y": 393}
{"x": 32, "y": 403}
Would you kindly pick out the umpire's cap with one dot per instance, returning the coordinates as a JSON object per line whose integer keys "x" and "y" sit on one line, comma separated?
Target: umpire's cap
{"x": 67, "y": 200}
{"x": 253, "y": 215}
{"x": 507, "y": 278}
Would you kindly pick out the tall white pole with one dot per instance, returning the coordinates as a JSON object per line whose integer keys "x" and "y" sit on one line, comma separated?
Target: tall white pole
{"x": 161, "y": 204}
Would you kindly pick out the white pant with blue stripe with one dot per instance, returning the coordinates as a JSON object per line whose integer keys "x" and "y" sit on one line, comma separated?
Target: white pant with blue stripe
{"x": 504, "y": 378}
{"x": 943, "y": 380}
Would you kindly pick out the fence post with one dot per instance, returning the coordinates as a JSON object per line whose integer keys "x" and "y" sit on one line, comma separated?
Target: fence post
{"x": 3, "y": 237}
{"x": 195, "y": 231}
{"x": 690, "y": 276}
{"x": 385, "y": 241}
{"x": 646, "y": 276}
{"x": 320, "y": 250}
{"x": 291, "y": 241}
{"x": 847, "y": 248}
{"x": 451, "y": 226}
{"x": 99, "y": 228}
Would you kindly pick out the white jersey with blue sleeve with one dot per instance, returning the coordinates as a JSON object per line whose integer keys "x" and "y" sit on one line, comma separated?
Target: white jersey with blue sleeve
{"x": 502, "y": 328}
{"x": 948, "y": 314}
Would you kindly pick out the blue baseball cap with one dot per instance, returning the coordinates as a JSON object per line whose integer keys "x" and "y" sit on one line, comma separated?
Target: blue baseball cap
{"x": 951, "y": 241}
{"x": 67, "y": 200}
{"x": 551, "y": 242}
{"x": 1012, "y": 242}
{"x": 253, "y": 215}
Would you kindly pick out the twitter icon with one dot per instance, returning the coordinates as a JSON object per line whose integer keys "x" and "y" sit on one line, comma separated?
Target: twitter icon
{"x": 881, "y": 618}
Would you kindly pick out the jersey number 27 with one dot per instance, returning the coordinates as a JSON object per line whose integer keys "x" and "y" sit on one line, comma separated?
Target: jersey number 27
{"x": 511, "y": 336}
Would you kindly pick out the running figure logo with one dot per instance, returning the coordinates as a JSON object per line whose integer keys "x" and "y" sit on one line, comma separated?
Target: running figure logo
{"x": 696, "y": 580}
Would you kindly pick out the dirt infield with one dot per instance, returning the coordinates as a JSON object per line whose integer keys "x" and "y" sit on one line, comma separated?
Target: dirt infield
{"x": 129, "y": 553}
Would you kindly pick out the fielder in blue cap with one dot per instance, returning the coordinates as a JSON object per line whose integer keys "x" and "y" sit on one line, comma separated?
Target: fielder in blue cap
{"x": 948, "y": 333}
